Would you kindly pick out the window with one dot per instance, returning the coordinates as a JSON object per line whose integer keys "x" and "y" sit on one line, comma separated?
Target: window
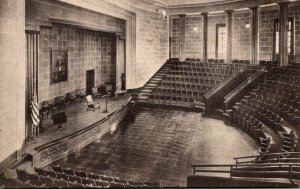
{"x": 221, "y": 41}
{"x": 290, "y": 36}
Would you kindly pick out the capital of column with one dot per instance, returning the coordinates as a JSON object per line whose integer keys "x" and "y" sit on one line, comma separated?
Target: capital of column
{"x": 229, "y": 12}
{"x": 283, "y": 3}
{"x": 253, "y": 8}
{"x": 204, "y": 13}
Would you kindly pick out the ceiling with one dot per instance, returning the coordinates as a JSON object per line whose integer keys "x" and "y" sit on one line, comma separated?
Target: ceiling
{"x": 179, "y": 3}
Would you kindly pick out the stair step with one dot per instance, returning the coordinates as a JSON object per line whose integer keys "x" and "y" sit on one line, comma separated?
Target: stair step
{"x": 151, "y": 85}
{"x": 143, "y": 97}
{"x": 146, "y": 91}
{"x": 144, "y": 94}
{"x": 153, "y": 81}
{"x": 157, "y": 79}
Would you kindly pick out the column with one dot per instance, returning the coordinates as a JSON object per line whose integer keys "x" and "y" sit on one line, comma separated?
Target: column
{"x": 204, "y": 35}
{"x": 229, "y": 14}
{"x": 182, "y": 38}
{"x": 254, "y": 36}
{"x": 283, "y": 34}
{"x": 13, "y": 76}
{"x": 170, "y": 24}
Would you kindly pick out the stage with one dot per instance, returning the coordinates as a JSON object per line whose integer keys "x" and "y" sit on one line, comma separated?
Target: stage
{"x": 81, "y": 128}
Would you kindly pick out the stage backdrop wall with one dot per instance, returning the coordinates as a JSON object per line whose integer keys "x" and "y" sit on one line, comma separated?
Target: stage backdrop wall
{"x": 87, "y": 49}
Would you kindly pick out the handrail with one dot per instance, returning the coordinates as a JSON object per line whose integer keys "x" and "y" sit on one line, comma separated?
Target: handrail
{"x": 289, "y": 173}
{"x": 269, "y": 154}
{"x": 243, "y": 85}
{"x": 211, "y": 92}
{"x": 214, "y": 165}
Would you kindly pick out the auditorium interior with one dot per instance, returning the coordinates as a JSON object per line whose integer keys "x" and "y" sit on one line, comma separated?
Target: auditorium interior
{"x": 149, "y": 93}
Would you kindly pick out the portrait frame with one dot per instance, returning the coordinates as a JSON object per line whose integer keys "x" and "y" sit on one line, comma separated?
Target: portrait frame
{"x": 59, "y": 66}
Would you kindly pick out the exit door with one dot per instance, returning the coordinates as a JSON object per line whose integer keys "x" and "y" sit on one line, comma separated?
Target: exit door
{"x": 90, "y": 79}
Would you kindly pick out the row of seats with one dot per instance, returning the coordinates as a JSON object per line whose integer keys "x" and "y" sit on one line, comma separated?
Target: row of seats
{"x": 41, "y": 181}
{"x": 6, "y": 182}
{"x": 96, "y": 179}
{"x": 220, "y": 61}
{"x": 274, "y": 101}
{"x": 268, "y": 63}
{"x": 182, "y": 83}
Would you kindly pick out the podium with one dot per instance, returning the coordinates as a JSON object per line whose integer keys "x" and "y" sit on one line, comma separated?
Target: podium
{"x": 59, "y": 119}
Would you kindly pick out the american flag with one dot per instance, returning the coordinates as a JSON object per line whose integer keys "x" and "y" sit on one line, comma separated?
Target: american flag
{"x": 35, "y": 115}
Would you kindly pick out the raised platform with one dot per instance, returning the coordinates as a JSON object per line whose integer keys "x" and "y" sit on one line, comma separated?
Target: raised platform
{"x": 82, "y": 128}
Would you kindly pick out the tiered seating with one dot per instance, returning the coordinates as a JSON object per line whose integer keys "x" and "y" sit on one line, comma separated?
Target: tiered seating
{"x": 182, "y": 84}
{"x": 268, "y": 63}
{"x": 79, "y": 179}
{"x": 277, "y": 99}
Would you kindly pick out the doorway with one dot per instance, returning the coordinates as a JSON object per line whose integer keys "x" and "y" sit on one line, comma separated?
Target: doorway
{"x": 90, "y": 80}
{"x": 120, "y": 68}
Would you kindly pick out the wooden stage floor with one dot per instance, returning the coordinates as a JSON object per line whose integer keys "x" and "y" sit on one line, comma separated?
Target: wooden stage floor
{"x": 77, "y": 118}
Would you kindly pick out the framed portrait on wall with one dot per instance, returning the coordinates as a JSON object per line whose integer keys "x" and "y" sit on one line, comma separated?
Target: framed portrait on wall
{"x": 59, "y": 66}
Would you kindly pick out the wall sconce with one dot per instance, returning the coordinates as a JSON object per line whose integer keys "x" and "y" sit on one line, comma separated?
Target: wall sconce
{"x": 247, "y": 26}
{"x": 195, "y": 29}
{"x": 163, "y": 13}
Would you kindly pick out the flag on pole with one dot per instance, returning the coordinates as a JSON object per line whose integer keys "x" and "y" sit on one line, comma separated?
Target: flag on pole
{"x": 35, "y": 114}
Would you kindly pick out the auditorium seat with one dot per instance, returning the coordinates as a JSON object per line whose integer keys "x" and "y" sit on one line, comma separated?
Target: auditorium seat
{"x": 22, "y": 175}
{"x": 101, "y": 183}
{"x": 60, "y": 183}
{"x": 75, "y": 179}
{"x": 48, "y": 181}
{"x": 71, "y": 98}
{"x": 76, "y": 185}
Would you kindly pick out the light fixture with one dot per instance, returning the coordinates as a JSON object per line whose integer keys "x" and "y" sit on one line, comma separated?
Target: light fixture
{"x": 162, "y": 12}
{"x": 247, "y": 26}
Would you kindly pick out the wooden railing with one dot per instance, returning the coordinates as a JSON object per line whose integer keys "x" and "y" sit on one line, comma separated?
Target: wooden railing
{"x": 220, "y": 85}
{"x": 236, "y": 94}
{"x": 276, "y": 161}
{"x": 269, "y": 158}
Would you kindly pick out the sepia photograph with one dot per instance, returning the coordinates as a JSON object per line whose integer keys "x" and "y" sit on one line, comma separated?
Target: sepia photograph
{"x": 150, "y": 93}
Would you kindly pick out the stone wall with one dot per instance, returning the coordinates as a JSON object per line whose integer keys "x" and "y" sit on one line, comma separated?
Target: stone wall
{"x": 12, "y": 61}
{"x": 175, "y": 38}
{"x": 193, "y": 37}
{"x": 241, "y": 34}
{"x": 87, "y": 50}
{"x": 152, "y": 45}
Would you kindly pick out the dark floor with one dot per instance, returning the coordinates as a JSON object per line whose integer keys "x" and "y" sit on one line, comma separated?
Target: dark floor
{"x": 161, "y": 145}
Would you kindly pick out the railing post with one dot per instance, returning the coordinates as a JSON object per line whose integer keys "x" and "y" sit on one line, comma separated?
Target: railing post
{"x": 230, "y": 171}
{"x": 194, "y": 170}
{"x": 290, "y": 172}
{"x": 236, "y": 162}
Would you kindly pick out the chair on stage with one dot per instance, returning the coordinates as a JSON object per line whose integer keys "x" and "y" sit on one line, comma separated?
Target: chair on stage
{"x": 96, "y": 93}
{"x": 91, "y": 104}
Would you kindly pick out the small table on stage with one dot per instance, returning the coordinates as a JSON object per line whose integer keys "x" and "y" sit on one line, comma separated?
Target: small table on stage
{"x": 59, "y": 119}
